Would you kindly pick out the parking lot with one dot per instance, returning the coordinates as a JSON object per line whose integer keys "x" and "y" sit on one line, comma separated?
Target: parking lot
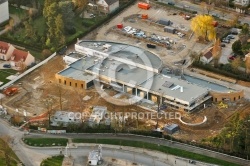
{"x": 182, "y": 47}
{"x": 227, "y": 50}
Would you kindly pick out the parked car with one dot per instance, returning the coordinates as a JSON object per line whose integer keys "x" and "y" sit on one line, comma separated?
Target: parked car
{"x": 232, "y": 57}
{"x": 230, "y": 37}
{"x": 92, "y": 15}
{"x": 223, "y": 45}
{"x": 171, "y": 3}
{"x": 186, "y": 6}
{"x": 225, "y": 40}
{"x": 234, "y": 33}
{"x": 6, "y": 66}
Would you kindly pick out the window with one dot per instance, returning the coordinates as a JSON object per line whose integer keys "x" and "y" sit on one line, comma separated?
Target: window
{"x": 60, "y": 81}
{"x": 82, "y": 85}
{"x": 76, "y": 85}
{"x": 69, "y": 83}
{"x": 65, "y": 82}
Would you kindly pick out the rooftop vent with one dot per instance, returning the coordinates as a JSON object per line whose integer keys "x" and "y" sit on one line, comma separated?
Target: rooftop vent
{"x": 167, "y": 84}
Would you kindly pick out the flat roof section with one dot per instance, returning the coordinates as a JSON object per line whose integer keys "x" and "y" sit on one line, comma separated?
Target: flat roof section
{"x": 77, "y": 74}
{"x": 84, "y": 63}
{"x": 180, "y": 89}
{"x": 121, "y": 72}
{"x": 125, "y": 51}
{"x": 75, "y": 55}
{"x": 207, "y": 84}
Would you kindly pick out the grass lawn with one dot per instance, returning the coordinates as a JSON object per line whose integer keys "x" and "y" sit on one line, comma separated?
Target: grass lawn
{"x": 5, "y": 73}
{"x": 21, "y": 13}
{"x": 40, "y": 25}
{"x": 46, "y": 141}
{"x": 164, "y": 149}
{"x": 53, "y": 161}
{"x": 13, "y": 158}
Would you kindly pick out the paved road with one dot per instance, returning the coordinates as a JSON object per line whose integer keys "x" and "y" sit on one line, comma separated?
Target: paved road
{"x": 225, "y": 14}
{"x": 80, "y": 152}
{"x": 156, "y": 141}
{"x": 32, "y": 157}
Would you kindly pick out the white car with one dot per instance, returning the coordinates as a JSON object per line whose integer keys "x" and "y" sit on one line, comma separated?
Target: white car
{"x": 186, "y": 6}
{"x": 127, "y": 28}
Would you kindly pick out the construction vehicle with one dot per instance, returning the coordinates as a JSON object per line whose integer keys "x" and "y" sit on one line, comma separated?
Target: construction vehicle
{"x": 142, "y": 5}
{"x": 10, "y": 91}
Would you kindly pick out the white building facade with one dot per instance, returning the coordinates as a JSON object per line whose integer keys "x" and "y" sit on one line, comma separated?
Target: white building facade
{"x": 4, "y": 9}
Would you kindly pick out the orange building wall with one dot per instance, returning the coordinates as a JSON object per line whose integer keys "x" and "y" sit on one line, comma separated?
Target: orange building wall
{"x": 217, "y": 97}
{"x": 70, "y": 82}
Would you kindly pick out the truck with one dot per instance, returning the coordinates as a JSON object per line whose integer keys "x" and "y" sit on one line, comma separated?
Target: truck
{"x": 164, "y": 22}
{"x": 169, "y": 29}
{"x": 142, "y": 5}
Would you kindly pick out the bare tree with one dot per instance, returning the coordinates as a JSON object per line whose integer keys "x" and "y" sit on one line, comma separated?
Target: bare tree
{"x": 60, "y": 93}
{"x": 206, "y": 7}
{"x": 48, "y": 102}
{"x": 216, "y": 52}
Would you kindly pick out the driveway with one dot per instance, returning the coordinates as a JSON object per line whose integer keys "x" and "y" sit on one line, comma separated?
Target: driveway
{"x": 227, "y": 51}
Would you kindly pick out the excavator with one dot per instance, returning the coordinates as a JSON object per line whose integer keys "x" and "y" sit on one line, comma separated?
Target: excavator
{"x": 10, "y": 91}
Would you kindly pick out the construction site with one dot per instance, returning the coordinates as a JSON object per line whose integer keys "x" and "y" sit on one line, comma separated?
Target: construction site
{"x": 39, "y": 93}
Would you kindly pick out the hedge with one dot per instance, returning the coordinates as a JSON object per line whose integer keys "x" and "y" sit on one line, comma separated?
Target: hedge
{"x": 233, "y": 74}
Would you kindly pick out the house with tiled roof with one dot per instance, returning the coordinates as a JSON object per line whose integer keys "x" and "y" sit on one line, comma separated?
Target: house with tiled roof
{"x": 107, "y": 6}
{"x": 20, "y": 57}
{"x": 207, "y": 56}
{"x": 6, "y": 50}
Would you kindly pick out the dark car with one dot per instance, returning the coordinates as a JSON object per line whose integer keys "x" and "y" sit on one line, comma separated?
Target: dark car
{"x": 62, "y": 51}
{"x": 6, "y": 66}
{"x": 231, "y": 58}
{"x": 223, "y": 45}
{"x": 151, "y": 46}
{"x": 234, "y": 33}
{"x": 171, "y": 3}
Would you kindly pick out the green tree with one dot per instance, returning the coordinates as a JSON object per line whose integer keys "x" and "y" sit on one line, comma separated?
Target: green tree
{"x": 59, "y": 31}
{"x": 237, "y": 47}
{"x": 245, "y": 29}
{"x": 30, "y": 31}
{"x": 66, "y": 9}
{"x": 236, "y": 63}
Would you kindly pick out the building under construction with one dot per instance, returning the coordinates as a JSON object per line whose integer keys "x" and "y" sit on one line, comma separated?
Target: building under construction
{"x": 135, "y": 71}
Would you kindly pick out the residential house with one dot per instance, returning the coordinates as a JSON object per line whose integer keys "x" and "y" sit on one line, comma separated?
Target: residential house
{"x": 20, "y": 58}
{"x": 107, "y": 6}
{"x": 4, "y": 8}
{"x": 6, "y": 50}
{"x": 207, "y": 56}
{"x": 241, "y": 5}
